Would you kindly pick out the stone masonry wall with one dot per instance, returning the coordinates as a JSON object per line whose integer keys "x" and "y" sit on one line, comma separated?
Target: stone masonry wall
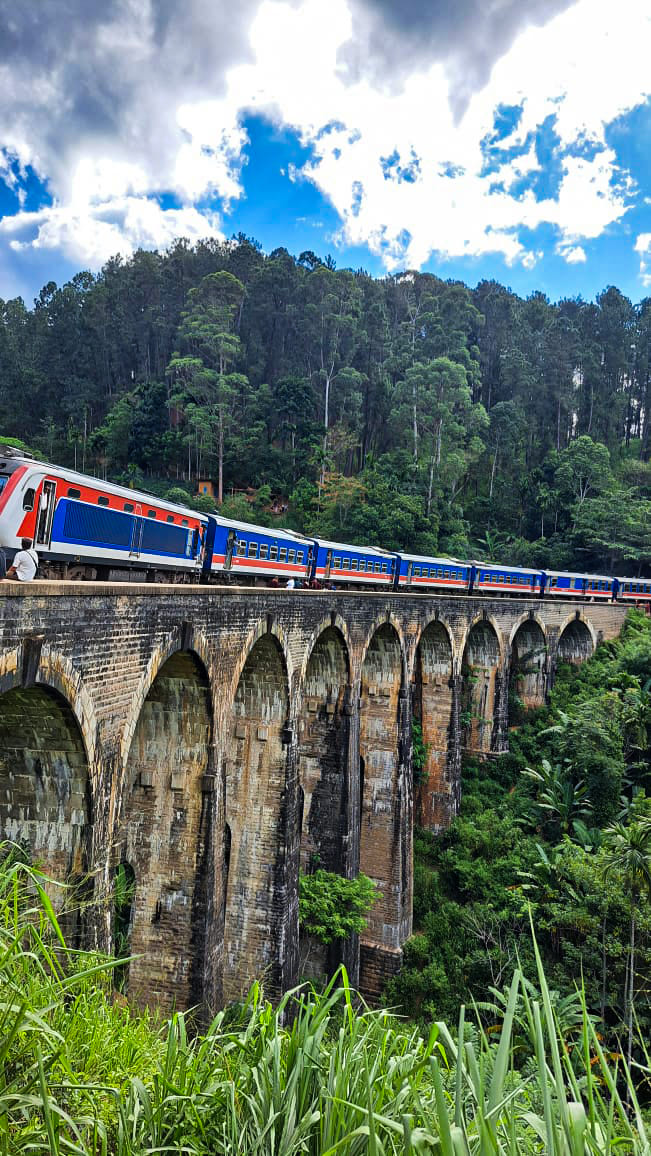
{"x": 190, "y": 772}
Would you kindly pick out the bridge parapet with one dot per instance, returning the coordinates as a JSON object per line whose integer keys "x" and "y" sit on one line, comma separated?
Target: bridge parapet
{"x": 213, "y": 739}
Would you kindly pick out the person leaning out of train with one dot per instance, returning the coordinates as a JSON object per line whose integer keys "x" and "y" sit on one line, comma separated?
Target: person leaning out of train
{"x": 25, "y": 563}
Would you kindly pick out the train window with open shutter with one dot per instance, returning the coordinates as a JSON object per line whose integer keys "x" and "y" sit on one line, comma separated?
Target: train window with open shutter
{"x": 353, "y": 563}
{"x": 384, "y": 567}
{"x": 283, "y": 554}
{"x": 273, "y": 554}
{"x": 291, "y": 557}
{"x": 253, "y": 549}
{"x": 362, "y": 565}
{"x": 76, "y": 494}
{"x": 299, "y": 557}
{"x": 264, "y": 550}
{"x": 241, "y": 548}
{"x": 345, "y": 564}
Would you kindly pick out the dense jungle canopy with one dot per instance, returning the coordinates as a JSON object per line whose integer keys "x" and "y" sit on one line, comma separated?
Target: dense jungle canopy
{"x": 407, "y": 412}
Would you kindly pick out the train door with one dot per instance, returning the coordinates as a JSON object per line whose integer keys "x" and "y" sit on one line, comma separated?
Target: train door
{"x": 328, "y": 564}
{"x": 230, "y": 547}
{"x": 46, "y": 513}
{"x": 410, "y": 570}
{"x": 136, "y": 533}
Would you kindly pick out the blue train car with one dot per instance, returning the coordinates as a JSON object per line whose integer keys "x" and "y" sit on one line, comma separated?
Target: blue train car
{"x": 258, "y": 552}
{"x": 416, "y": 572}
{"x": 564, "y": 584}
{"x": 633, "y": 590}
{"x": 491, "y": 578}
{"x": 339, "y": 563}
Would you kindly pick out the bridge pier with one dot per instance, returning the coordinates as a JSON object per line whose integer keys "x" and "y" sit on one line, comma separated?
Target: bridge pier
{"x": 211, "y": 740}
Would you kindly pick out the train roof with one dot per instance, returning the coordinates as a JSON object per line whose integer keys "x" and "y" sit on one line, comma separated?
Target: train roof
{"x": 101, "y": 483}
{"x": 360, "y": 549}
{"x": 578, "y": 574}
{"x": 506, "y": 566}
{"x": 433, "y": 561}
{"x": 270, "y": 531}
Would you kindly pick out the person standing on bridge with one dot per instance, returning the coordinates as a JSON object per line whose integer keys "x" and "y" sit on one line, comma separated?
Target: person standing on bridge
{"x": 25, "y": 563}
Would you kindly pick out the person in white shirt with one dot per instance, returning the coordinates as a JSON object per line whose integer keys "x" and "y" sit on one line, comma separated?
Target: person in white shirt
{"x": 25, "y": 563}
{"x": 290, "y": 584}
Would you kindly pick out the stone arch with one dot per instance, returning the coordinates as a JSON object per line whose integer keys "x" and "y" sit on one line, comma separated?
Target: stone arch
{"x": 323, "y": 760}
{"x": 576, "y": 641}
{"x": 479, "y": 696}
{"x": 184, "y": 638}
{"x": 164, "y": 833}
{"x": 529, "y": 668}
{"x": 386, "y": 804}
{"x": 261, "y": 816}
{"x": 45, "y": 796}
{"x": 435, "y": 788}
{"x": 391, "y": 621}
{"x": 262, "y": 629}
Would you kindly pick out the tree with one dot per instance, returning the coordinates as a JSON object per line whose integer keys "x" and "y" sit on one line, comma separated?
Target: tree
{"x": 332, "y": 907}
{"x": 627, "y": 851}
{"x": 205, "y": 389}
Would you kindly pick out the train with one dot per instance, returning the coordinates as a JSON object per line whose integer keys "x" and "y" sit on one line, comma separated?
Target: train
{"x": 88, "y": 529}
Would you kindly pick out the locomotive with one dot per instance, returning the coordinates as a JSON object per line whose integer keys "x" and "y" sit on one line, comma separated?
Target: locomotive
{"x": 84, "y": 528}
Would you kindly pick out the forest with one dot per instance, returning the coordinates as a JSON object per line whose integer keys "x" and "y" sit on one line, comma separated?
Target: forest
{"x": 408, "y": 412}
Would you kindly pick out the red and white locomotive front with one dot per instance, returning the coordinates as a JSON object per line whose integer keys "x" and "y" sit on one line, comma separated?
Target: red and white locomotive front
{"x": 26, "y": 500}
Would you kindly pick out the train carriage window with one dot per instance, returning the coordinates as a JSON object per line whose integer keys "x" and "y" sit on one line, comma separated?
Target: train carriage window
{"x": 253, "y": 549}
{"x": 337, "y": 563}
{"x": 300, "y": 557}
{"x": 384, "y": 567}
{"x": 128, "y": 509}
{"x": 283, "y": 554}
{"x": 353, "y": 563}
{"x": 170, "y": 518}
{"x": 501, "y": 579}
{"x": 291, "y": 556}
{"x": 508, "y": 579}
{"x": 28, "y": 499}
{"x": 264, "y": 550}
{"x": 273, "y": 554}
{"x": 76, "y": 494}
{"x": 362, "y": 565}
{"x": 345, "y": 564}
{"x": 378, "y": 567}
{"x": 151, "y": 513}
{"x": 102, "y": 500}
{"x": 241, "y": 548}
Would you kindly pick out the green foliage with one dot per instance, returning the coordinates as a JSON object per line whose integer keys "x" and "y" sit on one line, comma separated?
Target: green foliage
{"x": 316, "y": 1074}
{"x": 419, "y": 752}
{"x": 406, "y": 412}
{"x": 561, "y": 826}
{"x": 332, "y": 907}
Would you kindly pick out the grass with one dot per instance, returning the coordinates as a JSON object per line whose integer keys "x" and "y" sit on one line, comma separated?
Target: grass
{"x": 316, "y": 1074}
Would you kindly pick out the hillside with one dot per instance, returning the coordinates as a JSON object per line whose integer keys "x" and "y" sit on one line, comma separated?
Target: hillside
{"x": 404, "y": 412}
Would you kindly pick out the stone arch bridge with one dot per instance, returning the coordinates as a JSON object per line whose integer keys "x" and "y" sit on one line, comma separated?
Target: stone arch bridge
{"x": 214, "y": 740}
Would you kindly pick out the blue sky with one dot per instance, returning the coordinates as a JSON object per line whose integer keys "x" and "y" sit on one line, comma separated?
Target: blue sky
{"x": 388, "y": 133}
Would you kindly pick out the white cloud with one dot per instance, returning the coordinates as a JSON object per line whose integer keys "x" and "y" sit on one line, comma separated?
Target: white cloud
{"x": 643, "y": 247}
{"x": 135, "y": 98}
{"x": 448, "y": 203}
{"x": 91, "y": 234}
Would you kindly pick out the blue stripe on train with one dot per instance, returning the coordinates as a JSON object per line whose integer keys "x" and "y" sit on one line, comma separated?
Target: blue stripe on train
{"x": 79, "y": 524}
